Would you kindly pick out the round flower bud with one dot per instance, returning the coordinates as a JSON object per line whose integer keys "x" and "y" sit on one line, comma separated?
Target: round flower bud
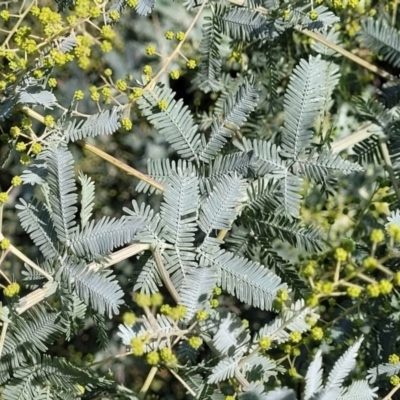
{"x": 16, "y": 180}
{"x": 165, "y": 309}
{"x": 370, "y": 263}
{"x": 169, "y": 35}
{"x": 137, "y": 346}
{"x": 373, "y": 290}
{"x": 354, "y": 291}
{"x": 174, "y": 74}
{"x": 129, "y": 318}
{"x": 312, "y": 300}
{"x": 150, "y": 50}
{"x": 191, "y": 64}
{"x": 180, "y": 36}
{"x": 340, "y": 254}
{"x": 217, "y": 291}
{"x": 153, "y": 358}
{"x": 394, "y": 380}
{"x": 162, "y": 105}
{"x": 317, "y": 333}
{"x": 385, "y": 287}
{"x": 142, "y": 300}
{"x": 5, "y": 244}
{"x": 394, "y": 359}
{"x": 201, "y": 315}
{"x": 36, "y": 148}
{"x": 295, "y": 337}
{"x": 156, "y": 299}
{"x": 3, "y": 197}
{"x": 11, "y": 290}
{"x": 214, "y": 303}
{"x": 195, "y": 342}
{"x": 264, "y": 342}
{"x": 377, "y": 235}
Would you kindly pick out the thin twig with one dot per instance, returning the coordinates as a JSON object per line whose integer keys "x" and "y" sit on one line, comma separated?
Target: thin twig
{"x": 151, "y": 84}
{"x": 17, "y": 24}
{"x": 147, "y": 382}
{"x": 3, "y": 337}
{"x": 121, "y": 255}
{"x": 2, "y": 257}
{"x": 188, "y": 388}
{"x": 358, "y": 60}
{"x": 349, "y": 141}
{"x": 106, "y": 360}
{"x": 31, "y": 299}
{"x": 241, "y": 379}
{"x": 164, "y": 275}
{"x": 120, "y": 164}
{"x": 221, "y": 234}
{"x": 28, "y": 261}
{"x": 389, "y": 167}
{"x": 337, "y": 272}
{"x": 333, "y": 46}
{"x": 31, "y": 113}
{"x": 392, "y": 392}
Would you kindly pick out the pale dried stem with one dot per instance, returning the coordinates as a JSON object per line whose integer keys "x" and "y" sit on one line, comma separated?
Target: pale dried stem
{"x": 17, "y": 24}
{"x": 120, "y": 165}
{"x": 31, "y": 299}
{"x": 187, "y": 387}
{"x": 121, "y": 255}
{"x": 389, "y": 167}
{"x": 33, "y": 114}
{"x": 392, "y": 392}
{"x": 28, "y": 261}
{"x": 349, "y": 141}
{"x": 147, "y": 382}
{"x": 366, "y": 278}
{"x": 2, "y": 257}
{"x": 164, "y": 275}
{"x": 358, "y": 60}
{"x": 350, "y": 56}
{"x": 153, "y": 81}
{"x": 3, "y": 336}
{"x": 337, "y": 272}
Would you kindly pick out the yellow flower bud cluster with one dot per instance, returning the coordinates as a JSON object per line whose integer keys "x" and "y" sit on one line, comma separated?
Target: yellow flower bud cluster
{"x": 11, "y": 290}
{"x": 195, "y": 342}
{"x": 129, "y": 318}
{"x": 137, "y": 346}
{"x": 395, "y": 380}
{"x": 265, "y": 342}
{"x": 3, "y": 197}
{"x": 377, "y": 235}
{"x": 201, "y": 315}
{"x": 394, "y": 231}
{"x": 36, "y": 148}
{"x": 295, "y": 337}
{"x": 5, "y": 14}
{"x": 16, "y": 180}
{"x": 394, "y": 359}
{"x": 167, "y": 356}
{"x": 5, "y": 244}
{"x": 152, "y": 358}
{"x": 176, "y": 313}
{"x": 354, "y": 291}
{"x": 341, "y": 254}
{"x": 309, "y": 270}
{"x": 143, "y": 300}
{"x": 317, "y": 333}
